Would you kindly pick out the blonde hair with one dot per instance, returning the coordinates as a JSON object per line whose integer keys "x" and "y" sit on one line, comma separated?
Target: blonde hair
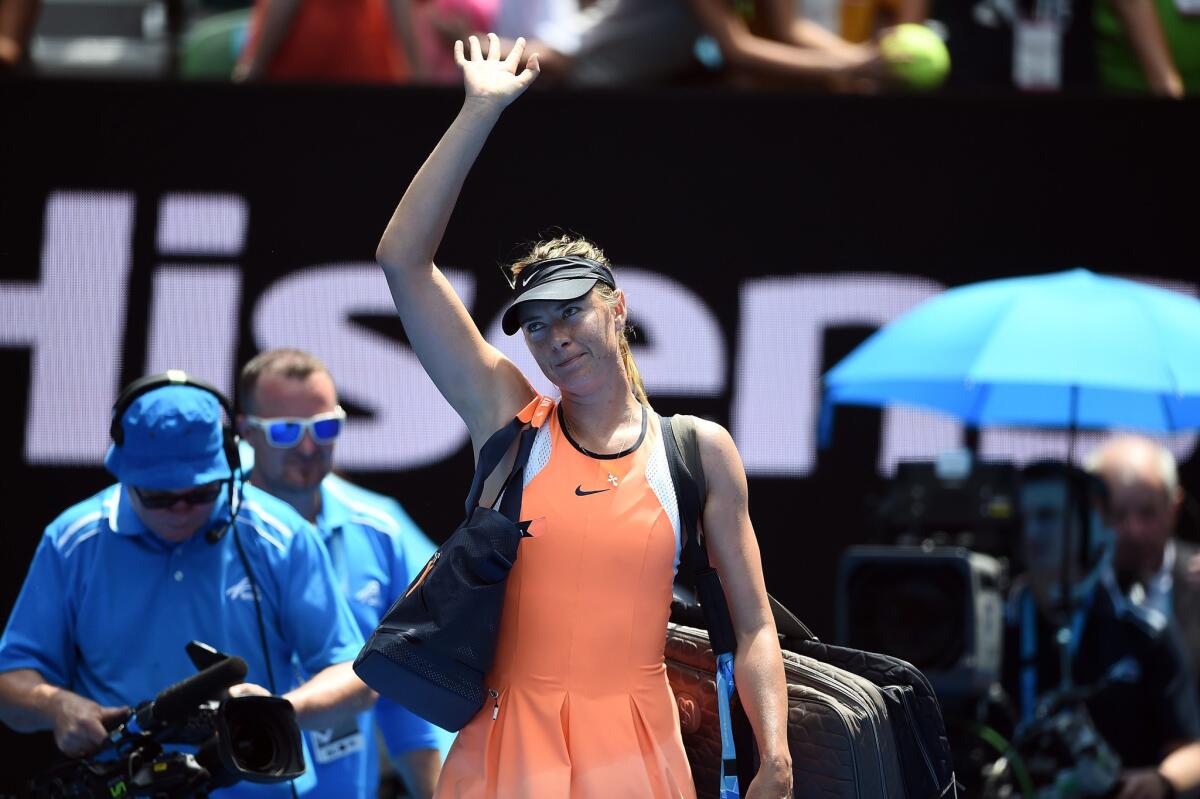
{"x": 570, "y": 244}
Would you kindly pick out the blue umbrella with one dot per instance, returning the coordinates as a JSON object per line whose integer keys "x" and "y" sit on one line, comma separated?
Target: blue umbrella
{"x": 1070, "y": 349}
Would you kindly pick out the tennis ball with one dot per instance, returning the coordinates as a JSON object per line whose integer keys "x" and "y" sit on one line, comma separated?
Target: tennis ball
{"x": 915, "y": 55}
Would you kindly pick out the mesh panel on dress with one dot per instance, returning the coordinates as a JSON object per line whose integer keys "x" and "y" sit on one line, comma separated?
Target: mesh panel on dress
{"x": 658, "y": 475}
{"x": 539, "y": 456}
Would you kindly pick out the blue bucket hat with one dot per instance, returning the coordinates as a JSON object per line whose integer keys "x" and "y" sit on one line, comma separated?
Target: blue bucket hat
{"x": 173, "y": 439}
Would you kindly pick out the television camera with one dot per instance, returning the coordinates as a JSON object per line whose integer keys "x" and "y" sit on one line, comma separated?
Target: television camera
{"x": 216, "y": 741}
{"x": 932, "y": 590}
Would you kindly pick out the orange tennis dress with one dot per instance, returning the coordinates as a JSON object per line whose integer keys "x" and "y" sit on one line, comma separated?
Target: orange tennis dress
{"x": 580, "y": 705}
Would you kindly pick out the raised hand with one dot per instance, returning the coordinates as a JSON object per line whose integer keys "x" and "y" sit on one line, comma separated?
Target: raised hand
{"x": 493, "y": 80}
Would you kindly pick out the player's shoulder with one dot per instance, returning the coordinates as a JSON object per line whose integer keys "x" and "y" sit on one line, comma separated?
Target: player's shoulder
{"x": 709, "y": 434}
{"x": 719, "y": 455}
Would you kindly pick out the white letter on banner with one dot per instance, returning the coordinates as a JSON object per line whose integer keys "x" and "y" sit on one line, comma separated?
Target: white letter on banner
{"x": 778, "y": 382}
{"x": 202, "y": 224}
{"x": 73, "y": 318}
{"x": 412, "y": 424}
{"x": 193, "y": 322}
{"x": 683, "y": 354}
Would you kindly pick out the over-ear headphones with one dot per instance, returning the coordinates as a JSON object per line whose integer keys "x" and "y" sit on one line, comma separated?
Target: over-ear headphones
{"x": 175, "y": 377}
{"x": 229, "y": 437}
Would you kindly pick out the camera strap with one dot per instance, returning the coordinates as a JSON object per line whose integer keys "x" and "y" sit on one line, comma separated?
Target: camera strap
{"x": 1029, "y": 648}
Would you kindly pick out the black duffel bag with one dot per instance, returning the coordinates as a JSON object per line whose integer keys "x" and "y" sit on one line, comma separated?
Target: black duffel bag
{"x": 432, "y": 649}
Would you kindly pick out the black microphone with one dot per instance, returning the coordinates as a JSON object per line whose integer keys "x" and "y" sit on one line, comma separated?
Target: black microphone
{"x": 177, "y": 702}
{"x": 217, "y": 533}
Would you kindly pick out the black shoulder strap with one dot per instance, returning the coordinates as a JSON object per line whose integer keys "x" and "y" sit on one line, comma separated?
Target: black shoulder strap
{"x": 514, "y": 486}
{"x": 684, "y": 430}
{"x": 707, "y": 581}
{"x": 687, "y": 476}
{"x": 490, "y": 455}
{"x": 691, "y": 491}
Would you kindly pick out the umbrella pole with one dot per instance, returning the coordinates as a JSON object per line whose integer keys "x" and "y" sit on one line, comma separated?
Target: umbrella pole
{"x": 1064, "y": 631}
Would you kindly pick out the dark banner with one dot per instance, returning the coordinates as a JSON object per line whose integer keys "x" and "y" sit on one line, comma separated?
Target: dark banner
{"x": 759, "y": 238}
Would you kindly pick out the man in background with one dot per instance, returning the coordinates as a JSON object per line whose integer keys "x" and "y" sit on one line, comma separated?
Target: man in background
{"x": 1151, "y": 564}
{"x": 291, "y": 417}
{"x": 1123, "y": 657}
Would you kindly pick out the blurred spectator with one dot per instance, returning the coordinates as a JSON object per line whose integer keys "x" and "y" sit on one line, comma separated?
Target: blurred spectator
{"x": 862, "y": 20}
{"x": 17, "y": 18}
{"x": 553, "y": 25}
{"x": 1151, "y": 564}
{"x": 999, "y": 44}
{"x": 1120, "y": 68}
{"x": 536, "y": 20}
{"x": 751, "y": 42}
{"x": 331, "y": 40}
{"x": 439, "y": 23}
{"x": 212, "y": 45}
{"x": 764, "y": 42}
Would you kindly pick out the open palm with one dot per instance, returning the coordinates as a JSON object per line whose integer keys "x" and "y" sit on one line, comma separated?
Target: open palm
{"x": 492, "y": 78}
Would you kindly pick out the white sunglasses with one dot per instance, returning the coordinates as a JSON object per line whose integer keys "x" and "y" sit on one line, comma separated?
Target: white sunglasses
{"x": 286, "y": 431}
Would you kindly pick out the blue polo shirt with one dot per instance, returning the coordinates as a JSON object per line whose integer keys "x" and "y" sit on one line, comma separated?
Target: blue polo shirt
{"x": 108, "y": 606}
{"x": 376, "y": 551}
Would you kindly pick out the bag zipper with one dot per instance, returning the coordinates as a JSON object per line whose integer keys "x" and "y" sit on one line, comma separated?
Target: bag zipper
{"x": 424, "y": 573}
{"x": 495, "y": 695}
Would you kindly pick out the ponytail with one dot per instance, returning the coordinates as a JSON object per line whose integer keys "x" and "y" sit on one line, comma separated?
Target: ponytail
{"x": 631, "y": 371}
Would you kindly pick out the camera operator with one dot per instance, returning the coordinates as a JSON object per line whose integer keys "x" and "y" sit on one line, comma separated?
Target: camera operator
{"x": 1154, "y": 569}
{"x": 1128, "y": 665}
{"x": 121, "y": 582}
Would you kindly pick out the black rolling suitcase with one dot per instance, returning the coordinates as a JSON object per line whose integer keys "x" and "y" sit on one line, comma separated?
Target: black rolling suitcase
{"x": 859, "y": 724}
{"x": 839, "y": 729}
